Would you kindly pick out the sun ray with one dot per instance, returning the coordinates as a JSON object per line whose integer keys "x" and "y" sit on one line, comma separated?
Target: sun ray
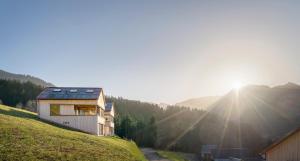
{"x": 169, "y": 117}
{"x": 226, "y": 124}
{"x": 260, "y": 116}
{"x": 191, "y": 127}
{"x": 280, "y": 113}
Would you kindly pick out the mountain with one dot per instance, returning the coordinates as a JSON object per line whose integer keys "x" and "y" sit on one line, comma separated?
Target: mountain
{"x": 199, "y": 103}
{"x": 25, "y": 137}
{"x": 289, "y": 85}
{"x": 24, "y": 78}
{"x": 272, "y": 111}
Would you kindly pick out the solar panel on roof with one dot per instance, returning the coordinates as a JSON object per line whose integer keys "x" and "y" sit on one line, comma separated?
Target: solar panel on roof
{"x": 89, "y": 91}
{"x": 70, "y": 93}
{"x": 56, "y": 90}
{"x": 73, "y": 90}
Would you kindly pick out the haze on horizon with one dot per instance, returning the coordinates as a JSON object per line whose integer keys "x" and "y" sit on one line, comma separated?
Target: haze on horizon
{"x": 156, "y": 51}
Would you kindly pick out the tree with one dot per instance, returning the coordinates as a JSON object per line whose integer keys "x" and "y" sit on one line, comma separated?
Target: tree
{"x": 13, "y": 93}
{"x": 140, "y": 133}
{"x": 31, "y": 105}
{"x": 151, "y": 133}
{"x": 128, "y": 127}
{"x": 19, "y": 105}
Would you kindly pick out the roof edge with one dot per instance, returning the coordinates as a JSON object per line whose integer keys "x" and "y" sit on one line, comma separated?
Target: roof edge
{"x": 280, "y": 140}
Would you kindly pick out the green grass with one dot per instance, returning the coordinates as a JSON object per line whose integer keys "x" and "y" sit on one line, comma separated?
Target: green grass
{"x": 173, "y": 156}
{"x": 25, "y": 137}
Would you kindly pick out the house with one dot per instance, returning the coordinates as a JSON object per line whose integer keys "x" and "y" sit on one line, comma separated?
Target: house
{"x": 109, "y": 114}
{"x": 286, "y": 148}
{"x": 78, "y": 108}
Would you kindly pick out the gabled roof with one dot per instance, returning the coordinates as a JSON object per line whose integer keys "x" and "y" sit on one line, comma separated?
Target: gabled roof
{"x": 280, "y": 140}
{"x": 108, "y": 107}
{"x": 69, "y": 93}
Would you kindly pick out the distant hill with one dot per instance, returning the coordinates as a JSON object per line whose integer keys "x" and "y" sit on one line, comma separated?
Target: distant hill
{"x": 289, "y": 85}
{"x": 26, "y": 137}
{"x": 24, "y": 78}
{"x": 272, "y": 111}
{"x": 199, "y": 103}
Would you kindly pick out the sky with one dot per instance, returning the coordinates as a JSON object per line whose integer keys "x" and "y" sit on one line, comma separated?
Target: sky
{"x": 155, "y": 50}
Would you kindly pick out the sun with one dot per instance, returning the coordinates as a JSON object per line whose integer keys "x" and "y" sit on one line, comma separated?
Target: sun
{"x": 237, "y": 85}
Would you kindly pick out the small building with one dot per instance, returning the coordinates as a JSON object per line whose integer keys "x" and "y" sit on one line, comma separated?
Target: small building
{"x": 78, "y": 108}
{"x": 213, "y": 152}
{"x": 207, "y": 152}
{"x": 109, "y": 114}
{"x": 286, "y": 148}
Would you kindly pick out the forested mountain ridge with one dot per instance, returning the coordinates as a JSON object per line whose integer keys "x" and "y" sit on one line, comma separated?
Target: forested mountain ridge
{"x": 24, "y": 78}
{"x": 199, "y": 103}
{"x": 183, "y": 129}
{"x": 272, "y": 111}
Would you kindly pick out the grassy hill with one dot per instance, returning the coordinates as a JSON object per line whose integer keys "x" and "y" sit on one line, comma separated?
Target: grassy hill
{"x": 24, "y": 137}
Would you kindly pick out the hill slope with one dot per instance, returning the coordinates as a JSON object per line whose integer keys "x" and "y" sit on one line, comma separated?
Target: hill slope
{"x": 273, "y": 111}
{"x": 199, "y": 103}
{"x": 24, "y": 136}
{"x": 24, "y": 78}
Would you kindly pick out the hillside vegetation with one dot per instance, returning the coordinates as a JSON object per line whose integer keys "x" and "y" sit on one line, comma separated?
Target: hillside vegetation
{"x": 17, "y": 94}
{"x": 24, "y": 137}
{"x": 272, "y": 111}
{"x": 202, "y": 103}
{"x": 24, "y": 78}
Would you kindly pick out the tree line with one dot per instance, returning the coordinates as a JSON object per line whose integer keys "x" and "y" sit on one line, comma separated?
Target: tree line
{"x": 144, "y": 133}
{"x": 17, "y": 94}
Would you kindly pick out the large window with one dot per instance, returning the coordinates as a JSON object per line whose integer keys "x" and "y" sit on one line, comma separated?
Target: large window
{"x": 54, "y": 110}
{"x": 72, "y": 110}
{"x": 85, "y": 109}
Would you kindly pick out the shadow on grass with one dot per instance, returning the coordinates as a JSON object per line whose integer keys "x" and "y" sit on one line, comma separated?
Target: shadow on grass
{"x": 16, "y": 113}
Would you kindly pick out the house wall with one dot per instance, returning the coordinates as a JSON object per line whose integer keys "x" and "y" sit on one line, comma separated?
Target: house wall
{"x": 101, "y": 100}
{"x": 112, "y": 112}
{"x": 109, "y": 122}
{"x": 89, "y": 124}
{"x": 288, "y": 150}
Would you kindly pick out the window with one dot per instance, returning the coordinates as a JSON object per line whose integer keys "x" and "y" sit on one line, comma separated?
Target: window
{"x": 56, "y": 90}
{"x": 72, "y": 110}
{"x": 54, "y": 110}
{"x": 85, "y": 110}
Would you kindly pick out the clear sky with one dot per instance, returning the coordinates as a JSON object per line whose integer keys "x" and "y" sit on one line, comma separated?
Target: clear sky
{"x": 158, "y": 51}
